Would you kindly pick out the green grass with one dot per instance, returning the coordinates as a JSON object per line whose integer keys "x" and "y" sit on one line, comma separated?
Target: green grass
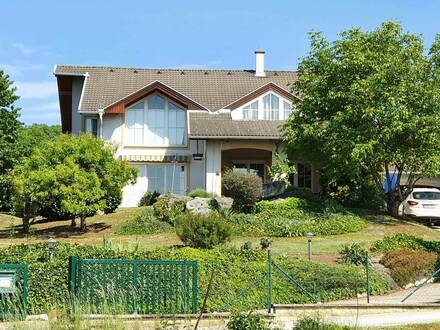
{"x": 325, "y": 248}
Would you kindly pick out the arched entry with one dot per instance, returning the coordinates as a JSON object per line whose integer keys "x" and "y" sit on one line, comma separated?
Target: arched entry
{"x": 247, "y": 159}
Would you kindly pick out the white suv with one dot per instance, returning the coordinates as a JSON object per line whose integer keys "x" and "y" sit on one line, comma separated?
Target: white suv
{"x": 423, "y": 204}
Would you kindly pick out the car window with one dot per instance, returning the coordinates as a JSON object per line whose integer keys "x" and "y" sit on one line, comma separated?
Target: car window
{"x": 427, "y": 195}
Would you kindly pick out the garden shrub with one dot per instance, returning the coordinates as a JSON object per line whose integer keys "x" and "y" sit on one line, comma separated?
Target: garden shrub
{"x": 296, "y": 217}
{"x": 245, "y": 188}
{"x": 307, "y": 205}
{"x": 149, "y": 198}
{"x": 352, "y": 254}
{"x": 407, "y": 266}
{"x": 398, "y": 241}
{"x": 285, "y": 204}
{"x": 199, "y": 193}
{"x": 144, "y": 223}
{"x": 167, "y": 208}
{"x": 202, "y": 231}
{"x": 248, "y": 321}
{"x": 235, "y": 269}
{"x": 314, "y": 323}
{"x": 214, "y": 205}
{"x": 296, "y": 223}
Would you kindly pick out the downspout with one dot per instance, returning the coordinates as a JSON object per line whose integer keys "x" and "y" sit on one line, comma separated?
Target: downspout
{"x": 101, "y": 114}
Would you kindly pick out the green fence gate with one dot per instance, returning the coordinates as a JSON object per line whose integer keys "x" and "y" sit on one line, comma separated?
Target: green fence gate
{"x": 13, "y": 291}
{"x": 134, "y": 286}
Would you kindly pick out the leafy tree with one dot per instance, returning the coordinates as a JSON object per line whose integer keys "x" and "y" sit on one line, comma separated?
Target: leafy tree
{"x": 370, "y": 102}
{"x": 81, "y": 192}
{"x": 76, "y": 175}
{"x": 281, "y": 170}
{"x": 9, "y": 126}
{"x": 32, "y": 136}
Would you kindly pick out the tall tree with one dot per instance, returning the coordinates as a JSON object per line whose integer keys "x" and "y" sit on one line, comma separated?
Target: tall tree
{"x": 370, "y": 104}
{"x": 33, "y": 136}
{"x": 75, "y": 175}
{"x": 9, "y": 126}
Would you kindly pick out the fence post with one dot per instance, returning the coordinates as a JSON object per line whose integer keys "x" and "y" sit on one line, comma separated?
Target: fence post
{"x": 368, "y": 277}
{"x": 25, "y": 290}
{"x": 269, "y": 281}
{"x": 73, "y": 265}
{"x": 195, "y": 288}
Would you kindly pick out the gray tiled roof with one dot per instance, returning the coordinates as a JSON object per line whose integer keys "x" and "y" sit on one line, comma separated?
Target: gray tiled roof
{"x": 218, "y": 125}
{"x": 213, "y": 89}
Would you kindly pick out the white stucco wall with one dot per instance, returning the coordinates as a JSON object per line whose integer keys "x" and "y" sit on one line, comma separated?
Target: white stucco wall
{"x": 112, "y": 129}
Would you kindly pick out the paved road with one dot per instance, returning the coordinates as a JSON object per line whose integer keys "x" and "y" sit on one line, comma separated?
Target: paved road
{"x": 388, "y": 319}
{"x": 428, "y": 294}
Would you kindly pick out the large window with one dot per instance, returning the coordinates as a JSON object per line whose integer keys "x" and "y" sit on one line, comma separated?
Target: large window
{"x": 156, "y": 121}
{"x": 250, "y": 112}
{"x": 304, "y": 175}
{"x": 268, "y": 107}
{"x": 163, "y": 178}
{"x": 91, "y": 125}
{"x": 271, "y": 106}
{"x": 250, "y": 167}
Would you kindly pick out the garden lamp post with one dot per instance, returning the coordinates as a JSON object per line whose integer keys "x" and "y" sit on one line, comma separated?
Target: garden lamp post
{"x": 309, "y": 244}
{"x": 51, "y": 245}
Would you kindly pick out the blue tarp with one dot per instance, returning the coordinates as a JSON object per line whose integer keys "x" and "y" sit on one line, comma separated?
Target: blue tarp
{"x": 393, "y": 182}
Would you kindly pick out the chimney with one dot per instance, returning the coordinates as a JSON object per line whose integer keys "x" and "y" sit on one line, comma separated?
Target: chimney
{"x": 259, "y": 63}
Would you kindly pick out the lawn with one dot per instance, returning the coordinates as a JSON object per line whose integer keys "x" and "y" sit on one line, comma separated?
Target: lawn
{"x": 103, "y": 227}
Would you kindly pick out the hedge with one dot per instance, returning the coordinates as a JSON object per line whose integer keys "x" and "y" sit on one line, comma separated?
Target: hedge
{"x": 398, "y": 241}
{"x": 295, "y": 217}
{"x": 234, "y": 270}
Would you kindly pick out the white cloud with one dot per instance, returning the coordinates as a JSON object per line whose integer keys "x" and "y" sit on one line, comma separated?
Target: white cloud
{"x": 18, "y": 68}
{"x": 23, "y": 49}
{"x": 36, "y": 90}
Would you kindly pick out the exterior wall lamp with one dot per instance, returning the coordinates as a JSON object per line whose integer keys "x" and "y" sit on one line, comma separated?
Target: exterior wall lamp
{"x": 198, "y": 155}
{"x": 309, "y": 244}
{"x": 51, "y": 242}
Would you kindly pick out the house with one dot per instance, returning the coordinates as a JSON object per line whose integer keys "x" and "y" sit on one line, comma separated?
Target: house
{"x": 182, "y": 128}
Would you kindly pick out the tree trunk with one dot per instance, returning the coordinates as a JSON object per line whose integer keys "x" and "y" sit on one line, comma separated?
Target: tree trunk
{"x": 26, "y": 217}
{"x": 26, "y": 224}
{"x": 73, "y": 222}
{"x": 83, "y": 223}
{"x": 393, "y": 208}
{"x": 393, "y": 203}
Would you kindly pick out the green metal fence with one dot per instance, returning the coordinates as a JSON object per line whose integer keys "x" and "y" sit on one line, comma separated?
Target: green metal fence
{"x": 13, "y": 291}
{"x": 134, "y": 286}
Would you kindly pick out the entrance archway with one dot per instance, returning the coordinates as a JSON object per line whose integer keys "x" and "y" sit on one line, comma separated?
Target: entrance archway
{"x": 246, "y": 159}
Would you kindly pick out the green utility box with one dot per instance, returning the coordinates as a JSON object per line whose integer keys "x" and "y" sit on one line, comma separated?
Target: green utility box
{"x": 13, "y": 291}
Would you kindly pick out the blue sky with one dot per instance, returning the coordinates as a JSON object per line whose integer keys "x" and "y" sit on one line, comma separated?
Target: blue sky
{"x": 36, "y": 35}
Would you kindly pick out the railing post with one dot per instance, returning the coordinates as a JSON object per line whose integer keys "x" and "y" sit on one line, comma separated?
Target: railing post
{"x": 73, "y": 266}
{"x": 25, "y": 290}
{"x": 195, "y": 288}
{"x": 368, "y": 277}
{"x": 269, "y": 281}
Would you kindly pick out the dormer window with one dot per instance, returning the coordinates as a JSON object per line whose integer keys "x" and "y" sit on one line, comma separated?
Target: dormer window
{"x": 269, "y": 106}
{"x": 250, "y": 112}
{"x": 155, "y": 121}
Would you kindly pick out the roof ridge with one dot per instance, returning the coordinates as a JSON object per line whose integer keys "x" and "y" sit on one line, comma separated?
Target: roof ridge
{"x": 163, "y": 69}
